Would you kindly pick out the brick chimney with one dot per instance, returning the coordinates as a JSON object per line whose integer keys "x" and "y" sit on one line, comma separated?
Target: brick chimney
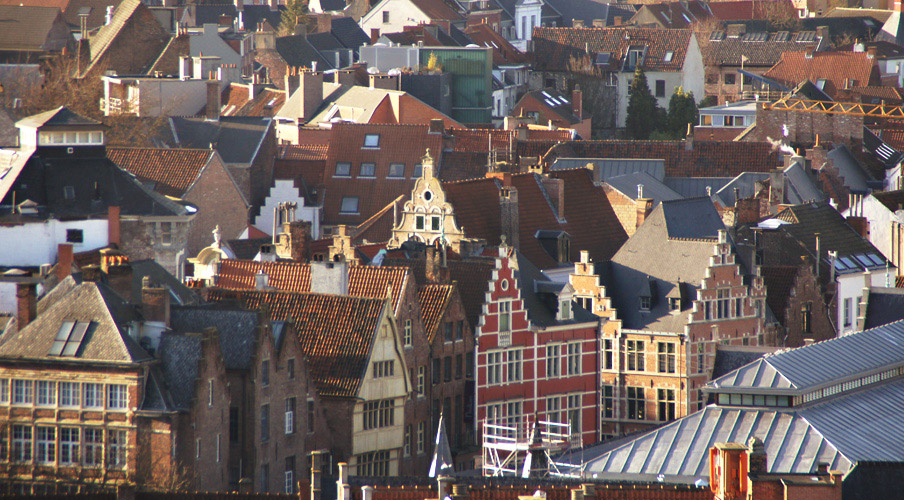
{"x": 644, "y": 208}
{"x": 64, "y": 261}
{"x": 509, "y": 217}
{"x": 747, "y": 211}
{"x": 113, "y": 225}
{"x": 155, "y": 302}
{"x": 83, "y": 56}
{"x": 310, "y": 83}
{"x": 213, "y": 100}
{"x": 859, "y": 224}
{"x": 577, "y": 103}
{"x": 118, "y": 271}
{"x": 295, "y": 241}
{"x": 437, "y": 126}
{"x": 26, "y": 304}
{"x": 435, "y": 266}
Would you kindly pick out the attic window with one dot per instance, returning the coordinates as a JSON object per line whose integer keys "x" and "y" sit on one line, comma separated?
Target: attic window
{"x": 674, "y": 303}
{"x": 68, "y": 192}
{"x": 645, "y": 303}
{"x": 349, "y": 205}
{"x": 372, "y": 141}
{"x": 821, "y": 83}
{"x": 668, "y": 56}
{"x": 69, "y": 338}
{"x": 565, "y": 309}
{"x": 75, "y": 236}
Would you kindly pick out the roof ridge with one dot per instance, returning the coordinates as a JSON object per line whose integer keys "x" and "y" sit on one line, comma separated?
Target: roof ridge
{"x": 161, "y": 149}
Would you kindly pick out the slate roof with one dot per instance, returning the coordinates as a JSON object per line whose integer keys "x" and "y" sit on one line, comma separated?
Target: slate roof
{"x": 588, "y": 217}
{"x": 605, "y": 169}
{"x": 106, "y": 340}
{"x": 336, "y": 332}
{"x": 800, "y": 185}
{"x": 554, "y": 47}
{"x": 540, "y": 296}
{"x": 705, "y": 159}
{"x": 97, "y": 11}
{"x": 61, "y": 116}
{"x": 349, "y": 33}
{"x": 171, "y": 171}
{"x": 629, "y": 184}
{"x": 852, "y": 173}
{"x": 779, "y": 281}
{"x": 834, "y": 234}
{"x": 730, "y": 358}
{"x": 693, "y": 187}
{"x": 721, "y": 50}
{"x": 884, "y": 306}
{"x": 555, "y": 102}
{"x": 585, "y": 10}
{"x": 834, "y": 67}
{"x": 251, "y": 14}
{"x": 26, "y": 28}
{"x": 745, "y": 183}
{"x": 673, "y": 15}
{"x": 671, "y": 249}
{"x": 179, "y": 356}
{"x": 434, "y": 300}
{"x": 298, "y": 52}
{"x": 236, "y": 139}
{"x": 235, "y": 330}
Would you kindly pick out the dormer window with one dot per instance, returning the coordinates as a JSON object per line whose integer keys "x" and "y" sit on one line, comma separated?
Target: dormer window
{"x": 674, "y": 304}
{"x": 565, "y": 309}
{"x": 372, "y": 141}
{"x": 645, "y": 303}
{"x": 634, "y": 58}
{"x": 70, "y": 138}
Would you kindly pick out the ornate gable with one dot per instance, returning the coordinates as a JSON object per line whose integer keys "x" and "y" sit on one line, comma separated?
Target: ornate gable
{"x": 427, "y": 217}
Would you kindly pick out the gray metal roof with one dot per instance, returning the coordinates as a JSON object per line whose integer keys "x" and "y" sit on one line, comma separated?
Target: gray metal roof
{"x": 694, "y": 218}
{"x": 628, "y": 184}
{"x": 745, "y": 184}
{"x": 852, "y": 173}
{"x": 692, "y": 187}
{"x": 823, "y": 363}
{"x": 606, "y": 168}
{"x": 800, "y": 187}
{"x": 859, "y": 426}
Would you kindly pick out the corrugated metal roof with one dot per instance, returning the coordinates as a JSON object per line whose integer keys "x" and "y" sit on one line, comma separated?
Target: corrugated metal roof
{"x": 815, "y": 365}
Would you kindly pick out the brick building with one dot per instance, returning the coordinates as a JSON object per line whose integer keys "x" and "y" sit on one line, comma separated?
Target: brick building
{"x": 537, "y": 354}
{"x": 353, "y": 348}
{"x": 679, "y": 292}
{"x": 128, "y": 44}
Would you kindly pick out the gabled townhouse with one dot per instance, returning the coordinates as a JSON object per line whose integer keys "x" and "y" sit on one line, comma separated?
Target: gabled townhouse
{"x": 33, "y": 33}
{"x": 392, "y": 16}
{"x": 199, "y": 177}
{"x": 670, "y": 58}
{"x": 353, "y": 348}
{"x": 246, "y": 144}
{"x": 734, "y": 58}
{"x": 537, "y": 359}
{"x": 843, "y": 260}
{"x": 59, "y": 186}
{"x": 671, "y": 15}
{"x": 796, "y": 300}
{"x": 129, "y": 43}
{"x": 89, "y": 404}
{"x": 680, "y": 290}
{"x": 884, "y": 219}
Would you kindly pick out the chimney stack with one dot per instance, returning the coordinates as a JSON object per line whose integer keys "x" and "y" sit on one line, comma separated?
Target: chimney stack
{"x": 577, "y": 103}
{"x": 26, "y": 304}
{"x": 644, "y": 208}
{"x": 509, "y": 216}
{"x": 64, "y": 261}
{"x": 113, "y": 226}
{"x": 155, "y": 302}
{"x": 118, "y": 272}
{"x": 213, "y": 100}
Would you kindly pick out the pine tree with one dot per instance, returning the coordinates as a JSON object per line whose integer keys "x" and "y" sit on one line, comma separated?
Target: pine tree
{"x": 295, "y": 10}
{"x": 682, "y": 112}
{"x": 644, "y": 115}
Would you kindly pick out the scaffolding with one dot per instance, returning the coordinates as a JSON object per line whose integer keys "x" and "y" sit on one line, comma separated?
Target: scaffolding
{"x": 527, "y": 449}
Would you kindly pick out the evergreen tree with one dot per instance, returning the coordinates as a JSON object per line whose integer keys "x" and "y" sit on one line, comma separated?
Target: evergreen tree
{"x": 295, "y": 10}
{"x": 643, "y": 116}
{"x": 682, "y": 112}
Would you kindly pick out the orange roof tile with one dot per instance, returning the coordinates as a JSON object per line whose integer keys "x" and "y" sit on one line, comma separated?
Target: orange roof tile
{"x": 172, "y": 170}
{"x": 303, "y": 152}
{"x": 287, "y": 276}
{"x": 555, "y": 47}
{"x": 363, "y": 281}
{"x": 836, "y": 68}
{"x": 434, "y": 300}
{"x": 336, "y": 332}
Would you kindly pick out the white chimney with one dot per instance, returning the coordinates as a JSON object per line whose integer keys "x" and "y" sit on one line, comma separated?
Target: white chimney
{"x": 261, "y": 280}
{"x": 109, "y": 17}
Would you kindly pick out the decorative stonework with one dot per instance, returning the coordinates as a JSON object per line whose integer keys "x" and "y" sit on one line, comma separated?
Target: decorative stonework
{"x": 427, "y": 217}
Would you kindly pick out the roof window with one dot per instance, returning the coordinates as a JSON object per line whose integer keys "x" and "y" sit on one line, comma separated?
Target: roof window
{"x": 69, "y": 338}
{"x": 372, "y": 141}
{"x": 668, "y": 56}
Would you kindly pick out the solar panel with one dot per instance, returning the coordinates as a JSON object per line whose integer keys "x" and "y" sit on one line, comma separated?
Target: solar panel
{"x": 56, "y": 349}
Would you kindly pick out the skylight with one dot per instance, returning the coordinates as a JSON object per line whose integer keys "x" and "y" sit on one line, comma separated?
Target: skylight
{"x": 668, "y": 56}
{"x": 69, "y": 338}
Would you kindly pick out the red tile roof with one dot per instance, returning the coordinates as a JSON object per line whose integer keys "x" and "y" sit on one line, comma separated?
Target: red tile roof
{"x": 588, "y": 217}
{"x": 836, "y": 68}
{"x": 434, "y": 300}
{"x": 363, "y": 281}
{"x": 404, "y": 144}
{"x": 304, "y": 152}
{"x": 705, "y": 159}
{"x": 173, "y": 170}
{"x": 336, "y": 332}
{"x": 893, "y": 200}
{"x": 555, "y": 47}
{"x": 744, "y": 10}
{"x": 235, "y": 101}
{"x": 438, "y": 10}
{"x": 287, "y": 276}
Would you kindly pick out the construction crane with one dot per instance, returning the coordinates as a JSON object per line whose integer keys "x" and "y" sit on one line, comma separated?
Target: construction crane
{"x": 832, "y": 107}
